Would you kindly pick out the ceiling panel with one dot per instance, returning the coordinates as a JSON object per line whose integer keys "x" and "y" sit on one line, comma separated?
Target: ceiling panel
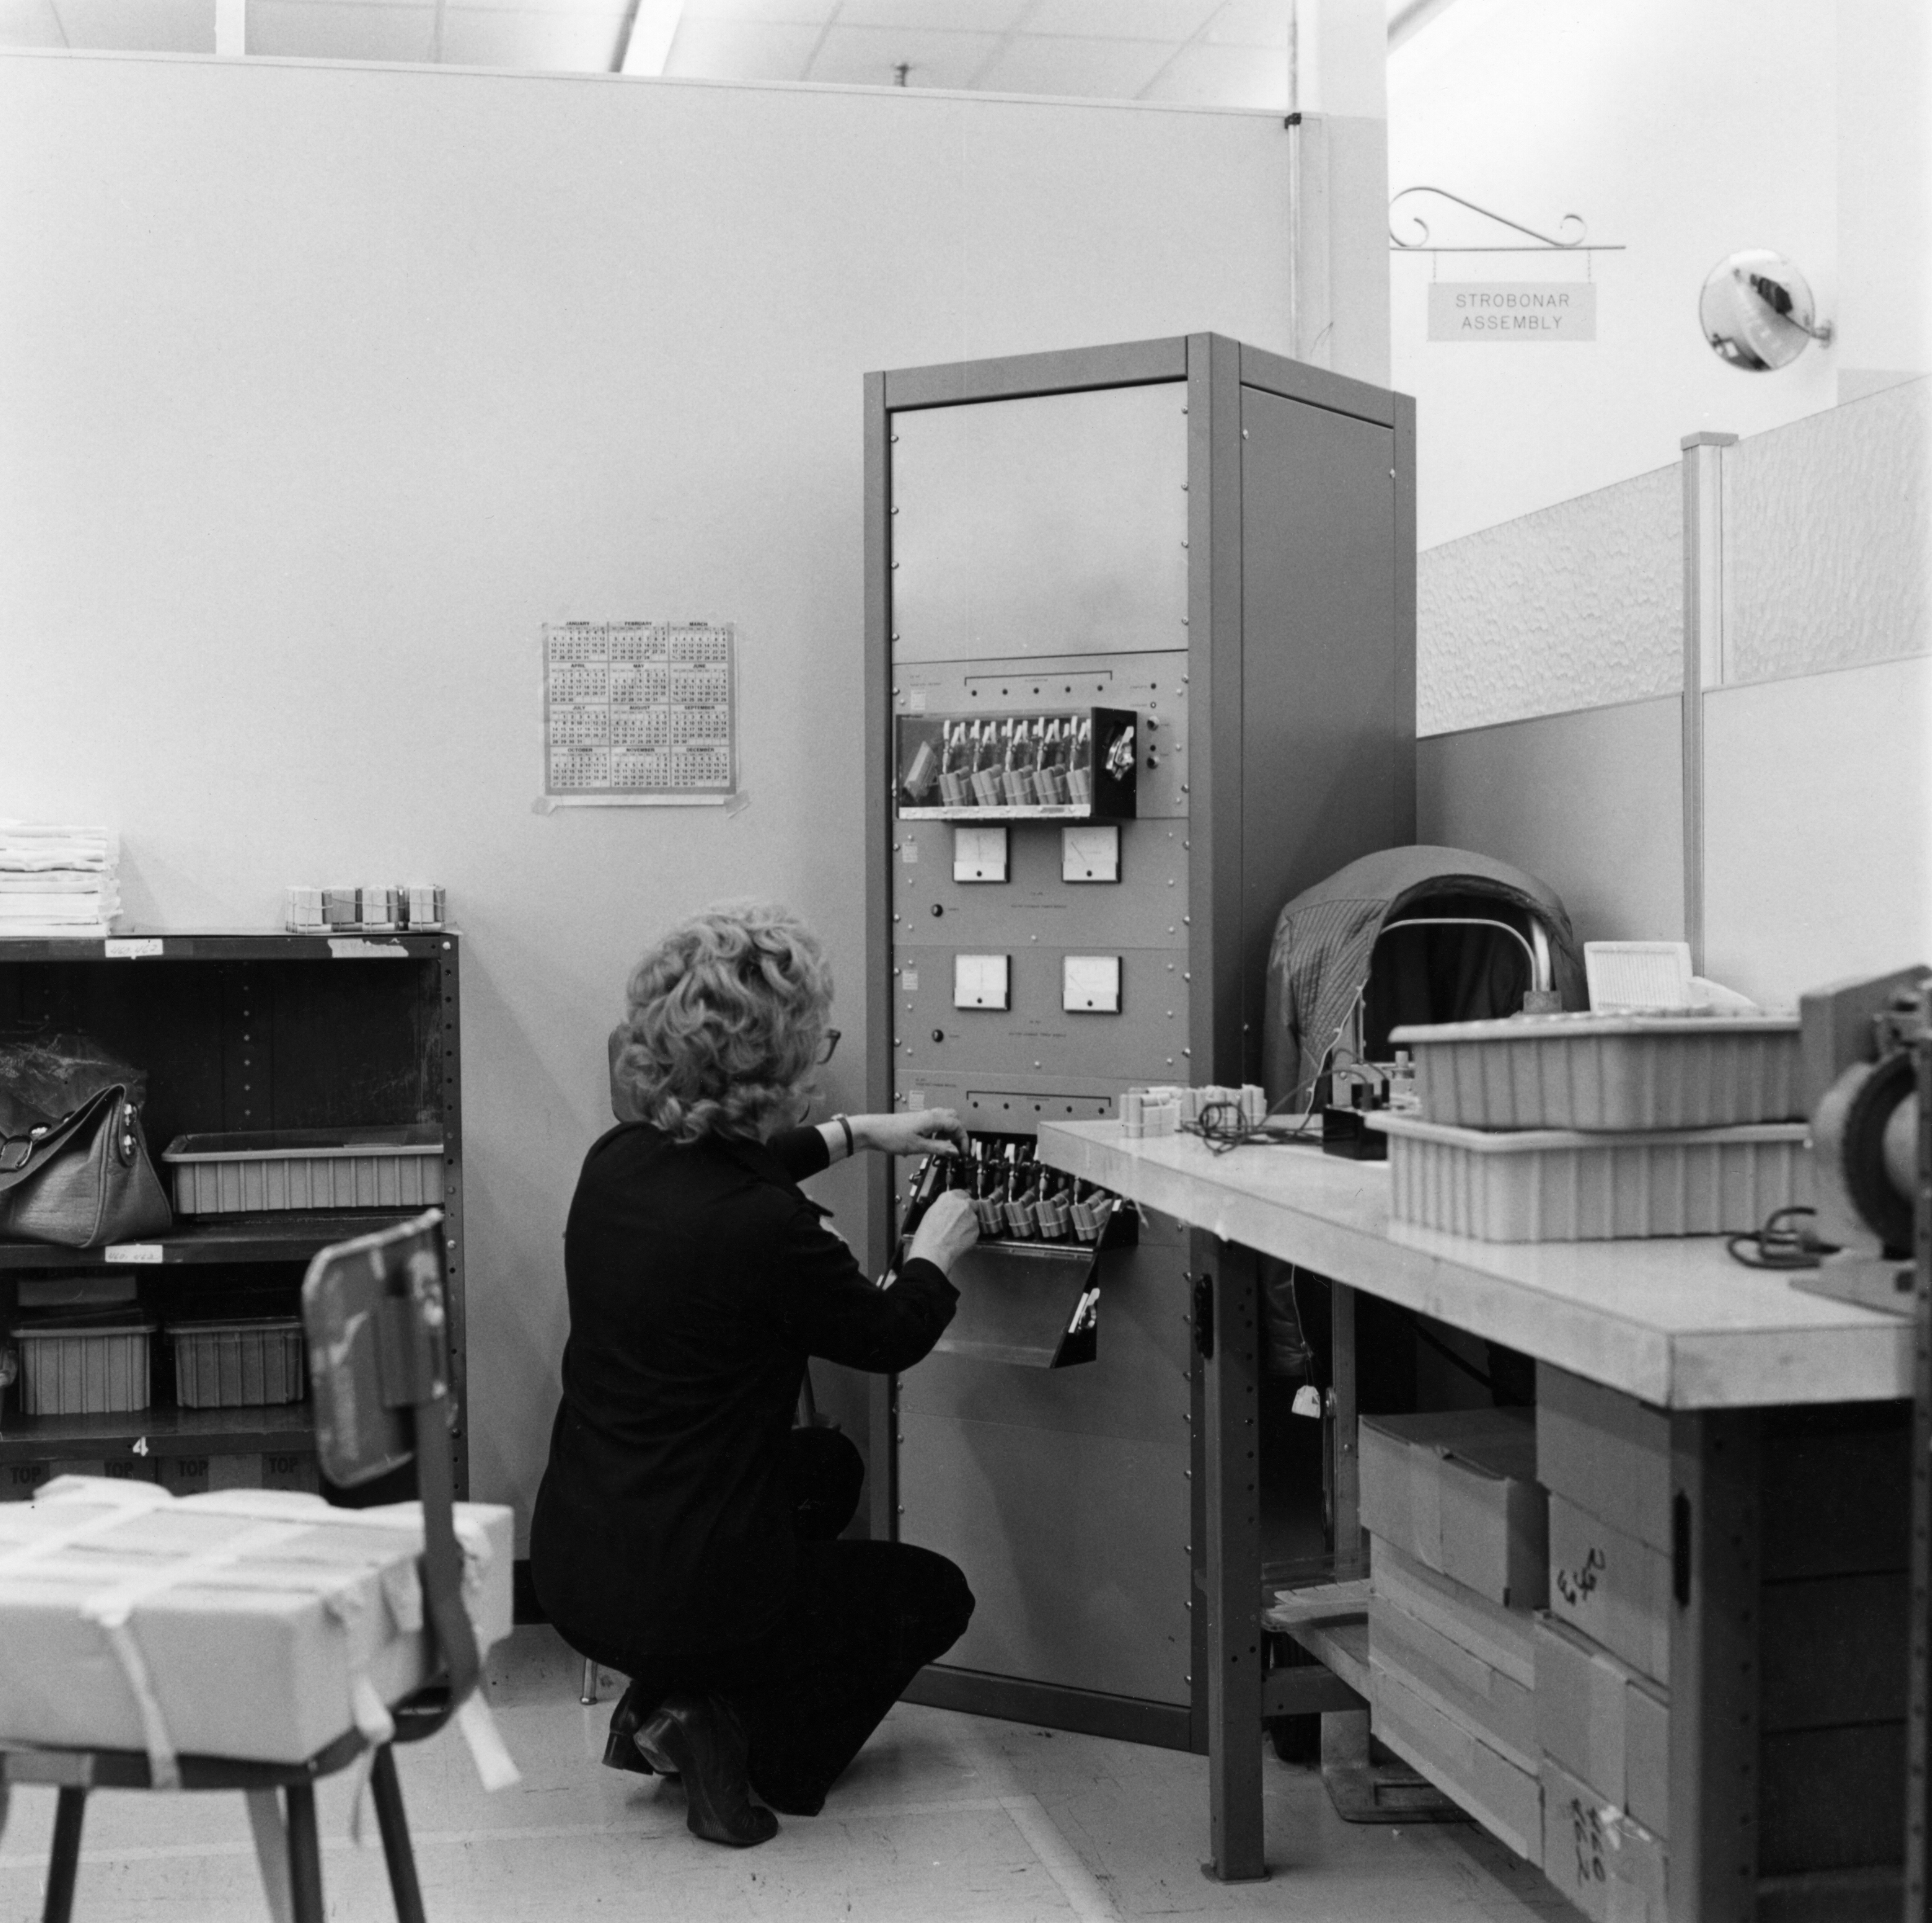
{"x": 340, "y": 29}
{"x": 1207, "y": 76}
{"x": 1250, "y": 23}
{"x": 140, "y": 26}
{"x": 1170, "y": 20}
{"x": 732, "y": 50}
{"x": 957, "y": 16}
{"x": 548, "y": 41}
{"x": 30, "y": 23}
{"x": 866, "y": 56}
{"x": 791, "y": 13}
{"x": 1106, "y": 69}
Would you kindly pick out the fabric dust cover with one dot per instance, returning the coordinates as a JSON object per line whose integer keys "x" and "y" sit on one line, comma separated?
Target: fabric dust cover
{"x": 252, "y": 1624}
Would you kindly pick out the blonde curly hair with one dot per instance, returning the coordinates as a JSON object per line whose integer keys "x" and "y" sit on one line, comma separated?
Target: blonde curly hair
{"x": 724, "y": 1021}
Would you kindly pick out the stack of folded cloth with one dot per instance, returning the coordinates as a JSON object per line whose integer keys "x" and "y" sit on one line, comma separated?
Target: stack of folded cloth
{"x": 57, "y": 881}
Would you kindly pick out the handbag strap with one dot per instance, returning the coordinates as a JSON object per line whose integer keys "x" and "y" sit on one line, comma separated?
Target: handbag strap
{"x": 23, "y": 1156}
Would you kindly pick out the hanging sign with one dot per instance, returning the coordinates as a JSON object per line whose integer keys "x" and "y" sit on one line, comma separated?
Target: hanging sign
{"x": 1512, "y": 310}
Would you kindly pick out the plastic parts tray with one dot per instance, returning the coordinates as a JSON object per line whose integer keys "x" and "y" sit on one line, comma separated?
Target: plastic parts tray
{"x": 239, "y": 1364}
{"x": 1562, "y": 1186}
{"x": 1607, "y": 1071}
{"x": 306, "y": 1168}
{"x": 98, "y": 1369}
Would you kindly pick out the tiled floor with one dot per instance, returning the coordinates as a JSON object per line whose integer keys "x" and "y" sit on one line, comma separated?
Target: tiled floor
{"x": 944, "y": 1819}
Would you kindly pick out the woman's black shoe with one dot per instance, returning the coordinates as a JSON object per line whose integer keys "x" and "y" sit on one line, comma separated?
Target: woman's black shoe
{"x": 698, "y": 1738}
{"x": 620, "y": 1747}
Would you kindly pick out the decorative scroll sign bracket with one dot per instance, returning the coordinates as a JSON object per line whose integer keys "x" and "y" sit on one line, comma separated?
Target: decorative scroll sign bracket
{"x": 1572, "y": 236}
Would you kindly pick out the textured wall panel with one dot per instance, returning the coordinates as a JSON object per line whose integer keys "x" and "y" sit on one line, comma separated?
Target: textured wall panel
{"x": 1825, "y": 530}
{"x": 1817, "y": 828}
{"x": 1576, "y": 605}
{"x": 1590, "y": 802}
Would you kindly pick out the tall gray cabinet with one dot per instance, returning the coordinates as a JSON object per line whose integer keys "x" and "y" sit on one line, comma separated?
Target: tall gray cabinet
{"x": 1217, "y": 543}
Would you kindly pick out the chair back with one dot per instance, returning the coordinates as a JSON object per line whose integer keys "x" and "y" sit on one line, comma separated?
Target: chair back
{"x": 377, "y": 1324}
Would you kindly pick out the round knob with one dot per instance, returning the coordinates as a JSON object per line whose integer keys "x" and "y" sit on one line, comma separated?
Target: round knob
{"x": 938, "y": 1034}
{"x": 938, "y": 908}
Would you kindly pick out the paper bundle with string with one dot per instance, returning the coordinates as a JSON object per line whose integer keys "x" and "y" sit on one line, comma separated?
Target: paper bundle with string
{"x": 252, "y": 1624}
{"x": 57, "y": 881}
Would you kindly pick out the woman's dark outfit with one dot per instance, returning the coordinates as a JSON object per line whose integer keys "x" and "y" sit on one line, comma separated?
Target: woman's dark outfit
{"x": 674, "y": 1533}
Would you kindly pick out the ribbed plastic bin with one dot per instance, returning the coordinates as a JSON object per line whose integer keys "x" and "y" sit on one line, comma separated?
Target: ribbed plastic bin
{"x": 1552, "y": 1185}
{"x": 1607, "y": 1071}
{"x": 306, "y": 1168}
{"x": 99, "y": 1369}
{"x": 238, "y": 1365}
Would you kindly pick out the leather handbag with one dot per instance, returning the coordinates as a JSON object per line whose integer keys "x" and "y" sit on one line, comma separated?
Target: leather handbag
{"x": 83, "y": 1181}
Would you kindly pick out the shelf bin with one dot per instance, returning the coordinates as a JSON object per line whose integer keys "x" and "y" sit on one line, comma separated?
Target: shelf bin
{"x": 1067, "y": 765}
{"x": 285, "y": 1169}
{"x": 246, "y": 1364}
{"x": 91, "y": 1371}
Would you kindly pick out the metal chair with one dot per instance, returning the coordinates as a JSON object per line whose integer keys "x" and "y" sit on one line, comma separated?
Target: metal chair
{"x": 379, "y": 1371}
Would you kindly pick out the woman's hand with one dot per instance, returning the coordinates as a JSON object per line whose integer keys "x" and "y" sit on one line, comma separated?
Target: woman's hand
{"x": 929, "y": 1132}
{"x": 945, "y": 1232}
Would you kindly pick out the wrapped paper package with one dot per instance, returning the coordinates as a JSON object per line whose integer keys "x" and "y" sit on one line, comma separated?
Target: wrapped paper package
{"x": 252, "y": 1624}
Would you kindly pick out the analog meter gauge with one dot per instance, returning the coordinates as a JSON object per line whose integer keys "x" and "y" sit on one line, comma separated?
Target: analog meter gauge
{"x": 979, "y": 854}
{"x": 980, "y": 981}
{"x": 1090, "y": 853}
{"x": 1090, "y": 985}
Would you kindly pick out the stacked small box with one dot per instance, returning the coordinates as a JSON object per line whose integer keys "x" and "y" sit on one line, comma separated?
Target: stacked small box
{"x": 1604, "y": 1647}
{"x": 1459, "y": 1562}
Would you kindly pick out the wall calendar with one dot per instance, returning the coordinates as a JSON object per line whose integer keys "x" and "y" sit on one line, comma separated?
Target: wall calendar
{"x": 642, "y": 712}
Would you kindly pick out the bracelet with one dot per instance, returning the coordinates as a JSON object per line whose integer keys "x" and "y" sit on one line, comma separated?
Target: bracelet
{"x": 851, "y": 1146}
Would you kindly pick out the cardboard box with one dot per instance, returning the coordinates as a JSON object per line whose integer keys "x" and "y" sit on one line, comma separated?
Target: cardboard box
{"x": 1606, "y": 1862}
{"x": 254, "y": 1614}
{"x": 1506, "y": 1800}
{"x": 1457, "y": 1490}
{"x": 1603, "y": 1721}
{"x": 1606, "y": 1452}
{"x": 1612, "y": 1587}
{"x": 1503, "y": 1638}
{"x": 1492, "y": 1706}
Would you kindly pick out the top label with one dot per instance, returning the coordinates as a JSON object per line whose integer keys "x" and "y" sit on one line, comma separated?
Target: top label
{"x": 131, "y": 949}
{"x": 1512, "y": 310}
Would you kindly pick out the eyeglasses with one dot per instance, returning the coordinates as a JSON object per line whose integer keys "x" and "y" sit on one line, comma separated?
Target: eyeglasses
{"x": 829, "y": 1047}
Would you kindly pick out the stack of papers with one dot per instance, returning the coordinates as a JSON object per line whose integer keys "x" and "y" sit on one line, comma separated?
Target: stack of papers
{"x": 60, "y": 881}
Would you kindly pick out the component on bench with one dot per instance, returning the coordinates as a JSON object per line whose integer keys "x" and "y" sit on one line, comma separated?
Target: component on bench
{"x": 981, "y": 982}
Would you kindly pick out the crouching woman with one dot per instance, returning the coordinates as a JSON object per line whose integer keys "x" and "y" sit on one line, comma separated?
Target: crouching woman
{"x": 684, "y": 1533}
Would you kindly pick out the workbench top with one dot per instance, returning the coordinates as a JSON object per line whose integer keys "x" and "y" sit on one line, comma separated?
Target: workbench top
{"x": 1675, "y": 1322}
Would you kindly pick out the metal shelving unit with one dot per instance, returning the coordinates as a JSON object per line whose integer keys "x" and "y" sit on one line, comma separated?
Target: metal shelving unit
{"x": 242, "y": 1030}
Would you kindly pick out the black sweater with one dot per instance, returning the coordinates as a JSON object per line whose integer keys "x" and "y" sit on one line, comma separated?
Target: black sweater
{"x": 699, "y": 1279}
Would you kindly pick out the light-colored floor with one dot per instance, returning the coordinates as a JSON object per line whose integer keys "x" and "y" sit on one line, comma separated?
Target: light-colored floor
{"x": 944, "y": 1819}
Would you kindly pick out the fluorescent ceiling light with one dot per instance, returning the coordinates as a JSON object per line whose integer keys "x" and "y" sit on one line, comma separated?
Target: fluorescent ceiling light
{"x": 647, "y": 43}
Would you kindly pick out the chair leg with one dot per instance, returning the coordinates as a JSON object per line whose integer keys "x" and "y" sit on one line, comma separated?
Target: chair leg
{"x": 271, "y": 1851}
{"x": 69, "y": 1812}
{"x": 394, "y": 1824}
{"x": 587, "y": 1691}
{"x": 305, "y": 1855}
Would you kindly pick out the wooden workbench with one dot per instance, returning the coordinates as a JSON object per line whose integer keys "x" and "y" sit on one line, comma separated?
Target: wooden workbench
{"x": 1673, "y": 1323}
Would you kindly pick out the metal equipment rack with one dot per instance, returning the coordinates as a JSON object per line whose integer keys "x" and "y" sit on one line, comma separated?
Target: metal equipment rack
{"x": 1220, "y": 542}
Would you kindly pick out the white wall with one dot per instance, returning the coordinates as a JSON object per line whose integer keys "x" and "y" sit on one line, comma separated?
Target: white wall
{"x": 1686, "y": 132}
{"x": 324, "y": 387}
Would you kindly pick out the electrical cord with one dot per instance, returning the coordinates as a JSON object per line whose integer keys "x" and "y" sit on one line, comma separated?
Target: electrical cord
{"x": 1776, "y": 1245}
